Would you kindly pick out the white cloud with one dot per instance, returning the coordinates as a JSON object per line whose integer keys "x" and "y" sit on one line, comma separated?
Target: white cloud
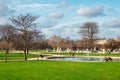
{"x": 91, "y": 11}
{"x": 55, "y": 15}
{"x": 5, "y": 11}
{"x": 47, "y": 23}
{"x": 115, "y": 23}
{"x": 62, "y": 29}
{"x": 62, "y": 4}
{"x": 3, "y": 20}
{"x": 36, "y": 5}
{"x": 110, "y": 28}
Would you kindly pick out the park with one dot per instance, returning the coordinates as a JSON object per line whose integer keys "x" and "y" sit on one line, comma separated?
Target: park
{"x": 59, "y": 40}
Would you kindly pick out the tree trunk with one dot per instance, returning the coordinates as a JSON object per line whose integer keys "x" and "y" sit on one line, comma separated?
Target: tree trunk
{"x": 25, "y": 54}
{"x": 7, "y": 51}
{"x": 5, "y": 55}
{"x": 92, "y": 50}
{"x": 91, "y": 46}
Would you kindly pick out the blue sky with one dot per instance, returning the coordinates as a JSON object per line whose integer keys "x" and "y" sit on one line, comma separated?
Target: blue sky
{"x": 64, "y": 17}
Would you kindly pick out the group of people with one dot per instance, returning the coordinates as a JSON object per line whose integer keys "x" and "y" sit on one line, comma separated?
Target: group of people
{"x": 108, "y": 59}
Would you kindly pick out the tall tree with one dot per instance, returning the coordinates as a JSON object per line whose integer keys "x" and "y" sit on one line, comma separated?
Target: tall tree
{"x": 37, "y": 40}
{"x": 89, "y": 31}
{"x": 56, "y": 41}
{"x": 7, "y": 34}
{"x": 25, "y": 24}
{"x": 112, "y": 45}
{"x": 53, "y": 41}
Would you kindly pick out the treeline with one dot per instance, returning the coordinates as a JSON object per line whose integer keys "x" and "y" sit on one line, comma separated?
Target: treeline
{"x": 21, "y": 34}
{"x": 99, "y": 44}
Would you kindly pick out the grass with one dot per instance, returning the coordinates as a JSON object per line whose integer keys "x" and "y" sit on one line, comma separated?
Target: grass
{"x": 59, "y": 70}
{"x": 17, "y": 56}
{"x": 20, "y": 56}
{"x": 41, "y": 51}
{"x": 37, "y": 50}
{"x": 99, "y": 54}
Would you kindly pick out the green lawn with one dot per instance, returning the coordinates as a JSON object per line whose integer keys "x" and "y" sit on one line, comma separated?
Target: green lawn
{"x": 20, "y": 56}
{"x": 17, "y": 56}
{"x": 41, "y": 51}
{"x": 59, "y": 70}
{"x": 100, "y": 54}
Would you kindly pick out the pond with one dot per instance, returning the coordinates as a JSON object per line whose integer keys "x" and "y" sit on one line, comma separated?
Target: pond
{"x": 78, "y": 59}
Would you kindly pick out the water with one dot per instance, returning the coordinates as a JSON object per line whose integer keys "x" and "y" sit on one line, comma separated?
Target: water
{"x": 78, "y": 59}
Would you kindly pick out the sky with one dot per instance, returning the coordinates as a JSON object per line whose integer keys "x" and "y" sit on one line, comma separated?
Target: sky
{"x": 64, "y": 17}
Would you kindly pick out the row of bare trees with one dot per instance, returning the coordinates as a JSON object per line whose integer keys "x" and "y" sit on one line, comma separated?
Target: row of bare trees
{"x": 57, "y": 41}
{"x": 21, "y": 34}
{"x": 89, "y": 31}
{"x": 112, "y": 45}
{"x": 109, "y": 45}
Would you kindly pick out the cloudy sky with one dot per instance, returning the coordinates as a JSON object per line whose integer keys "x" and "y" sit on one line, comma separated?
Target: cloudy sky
{"x": 64, "y": 17}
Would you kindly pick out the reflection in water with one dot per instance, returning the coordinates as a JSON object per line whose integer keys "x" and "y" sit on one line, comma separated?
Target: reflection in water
{"x": 78, "y": 59}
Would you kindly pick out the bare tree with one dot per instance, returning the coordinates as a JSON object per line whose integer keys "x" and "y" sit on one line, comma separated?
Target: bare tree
{"x": 89, "y": 30}
{"x": 37, "y": 40}
{"x": 7, "y": 34}
{"x": 56, "y": 41}
{"x": 83, "y": 44}
{"x": 53, "y": 40}
{"x": 25, "y": 24}
{"x": 112, "y": 45}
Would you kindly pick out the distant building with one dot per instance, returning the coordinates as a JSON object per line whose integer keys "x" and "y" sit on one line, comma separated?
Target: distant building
{"x": 101, "y": 41}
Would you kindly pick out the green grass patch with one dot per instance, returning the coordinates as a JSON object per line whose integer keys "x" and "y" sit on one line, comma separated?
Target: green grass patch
{"x": 59, "y": 70}
{"x": 37, "y": 50}
{"x": 17, "y": 56}
{"x": 99, "y": 54}
{"x": 42, "y": 51}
